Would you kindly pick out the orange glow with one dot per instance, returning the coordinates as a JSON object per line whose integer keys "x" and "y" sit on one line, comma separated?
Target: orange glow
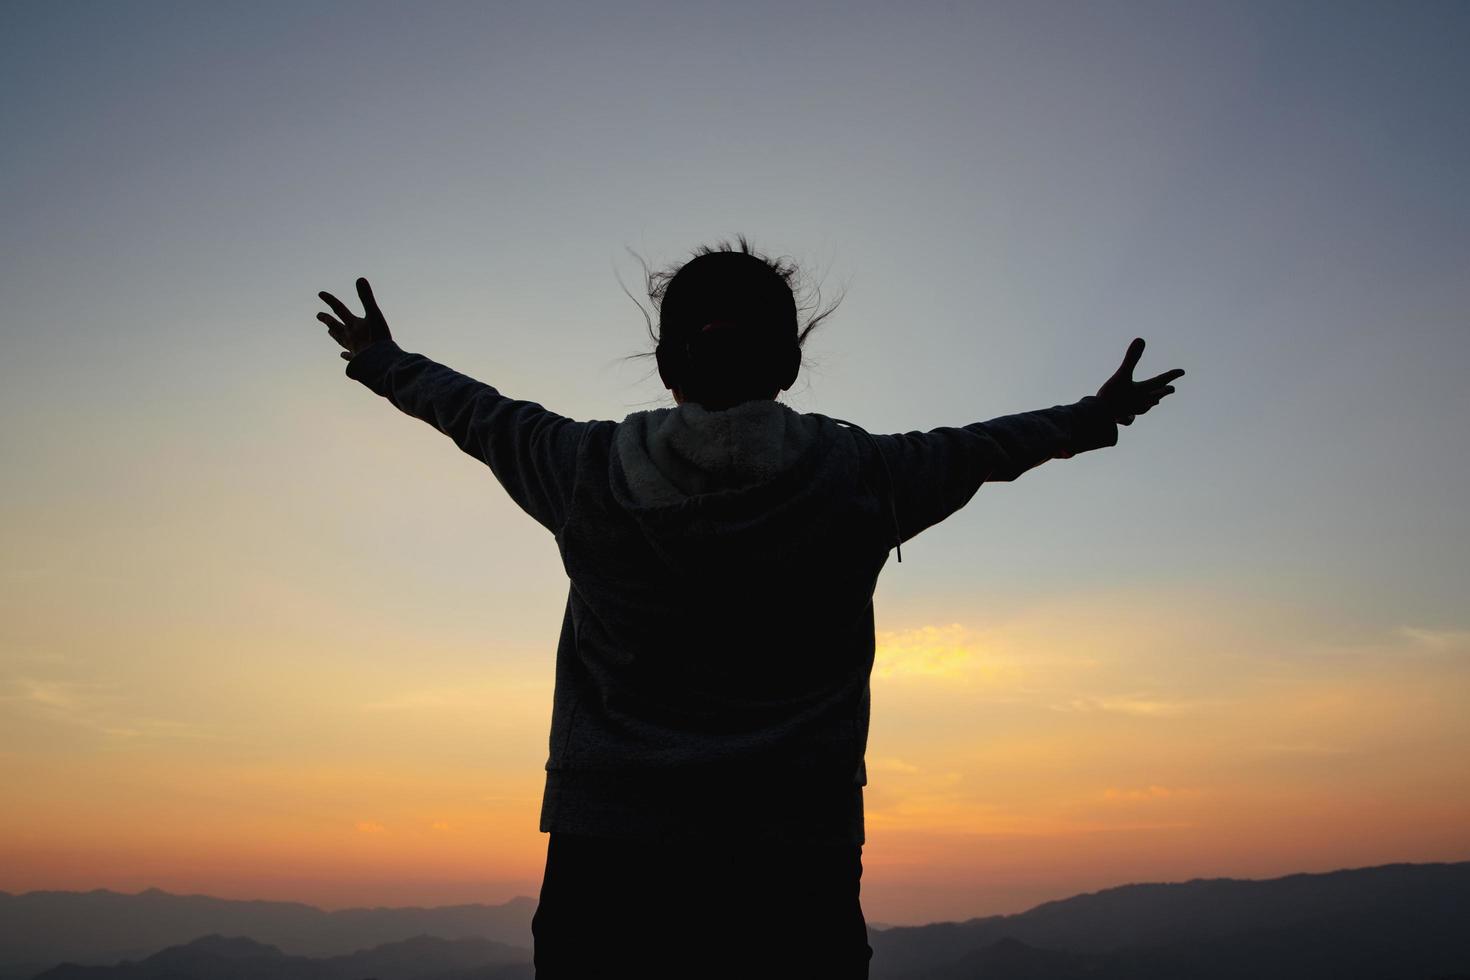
{"x": 1074, "y": 744}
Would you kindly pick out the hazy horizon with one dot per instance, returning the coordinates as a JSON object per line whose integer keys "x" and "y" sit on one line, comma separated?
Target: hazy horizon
{"x": 871, "y": 922}
{"x": 264, "y": 636}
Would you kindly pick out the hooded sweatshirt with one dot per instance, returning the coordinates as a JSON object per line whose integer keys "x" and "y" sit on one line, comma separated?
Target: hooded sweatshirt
{"x": 712, "y": 674}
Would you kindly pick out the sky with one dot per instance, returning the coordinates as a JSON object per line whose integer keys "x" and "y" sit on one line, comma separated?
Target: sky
{"x": 263, "y": 636}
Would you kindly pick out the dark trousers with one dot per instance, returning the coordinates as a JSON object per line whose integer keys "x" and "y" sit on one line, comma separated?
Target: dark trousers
{"x": 622, "y": 908}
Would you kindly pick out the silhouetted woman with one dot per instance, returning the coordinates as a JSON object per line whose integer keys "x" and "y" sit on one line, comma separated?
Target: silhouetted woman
{"x": 704, "y": 783}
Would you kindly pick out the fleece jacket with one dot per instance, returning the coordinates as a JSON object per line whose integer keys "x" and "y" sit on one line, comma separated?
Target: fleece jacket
{"x": 712, "y": 674}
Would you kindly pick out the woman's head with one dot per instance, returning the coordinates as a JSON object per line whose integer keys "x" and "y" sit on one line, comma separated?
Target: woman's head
{"x": 728, "y": 329}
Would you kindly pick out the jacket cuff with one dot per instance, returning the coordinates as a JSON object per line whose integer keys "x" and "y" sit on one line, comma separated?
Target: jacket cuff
{"x": 370, "y": 365}
{"x": 1096, "y": 427}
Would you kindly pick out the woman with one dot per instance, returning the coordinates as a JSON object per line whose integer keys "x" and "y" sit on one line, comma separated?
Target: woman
{"x": 704, "y": 782}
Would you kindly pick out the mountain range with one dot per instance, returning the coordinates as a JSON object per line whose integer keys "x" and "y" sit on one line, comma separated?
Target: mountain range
{"x": 40, "y": 929}
{"x": 1391, "y": 922}
{"x": 217, "y": 957}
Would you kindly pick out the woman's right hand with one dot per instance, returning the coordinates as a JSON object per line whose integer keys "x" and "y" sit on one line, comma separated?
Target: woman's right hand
{"x": 1128, "y": 398}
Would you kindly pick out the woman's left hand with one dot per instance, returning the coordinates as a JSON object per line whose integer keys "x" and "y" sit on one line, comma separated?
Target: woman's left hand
{"x": 351, "y": 331}
{"x": 1127, "y": 398}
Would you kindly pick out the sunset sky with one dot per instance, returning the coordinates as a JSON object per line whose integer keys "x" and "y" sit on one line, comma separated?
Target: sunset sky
{"x": 263, "y": 636}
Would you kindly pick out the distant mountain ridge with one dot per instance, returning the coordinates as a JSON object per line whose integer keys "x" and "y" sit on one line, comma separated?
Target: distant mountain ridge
{"x": 40, "y": 929}
{"x": 1411, "y": 920}
{"x": 1391, "y": 922}
{"x": 218, "y": 957}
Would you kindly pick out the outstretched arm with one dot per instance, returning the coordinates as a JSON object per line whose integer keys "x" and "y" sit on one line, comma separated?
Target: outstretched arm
{"x": 531, "y": 451}
{"x": 935, "y": 473}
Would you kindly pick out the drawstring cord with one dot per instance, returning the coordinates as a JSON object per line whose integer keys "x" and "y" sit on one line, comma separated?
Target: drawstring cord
{"x": 892, "y": 493}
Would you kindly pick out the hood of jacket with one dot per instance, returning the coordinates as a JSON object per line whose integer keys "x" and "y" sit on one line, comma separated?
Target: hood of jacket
{"x": 669, "y": 456}
{"x": 752, "y": 480}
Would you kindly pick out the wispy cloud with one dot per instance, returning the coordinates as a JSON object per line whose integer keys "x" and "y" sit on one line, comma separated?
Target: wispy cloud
{"x": 951, "y": 652}
{"x": 1127, "y": 704}
{"x": 1114, "y": 794}
{"x": 94, "y": 706}
{"x": 1437, "y": 641}
{"x": 926, "y": 651}
{"x": 476, "y": 693}
{"x": 889, "y": 764}
{"x": 69, "y": 702}
{"x": 432, "y": 699}
{"x": 62, "y": 697}
{"x": 1302, "y": 748}
{"x": 37, "y": 657}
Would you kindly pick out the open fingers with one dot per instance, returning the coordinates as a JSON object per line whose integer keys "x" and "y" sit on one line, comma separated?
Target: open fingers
{"x": 338, "y": 307}
{"x": 1165, "y": 378}
{"x": 1152, "y": 398}
{"x": 334, "y": 329}
{"x": 369, "y": 304}
{"x": 1130, "y": 359}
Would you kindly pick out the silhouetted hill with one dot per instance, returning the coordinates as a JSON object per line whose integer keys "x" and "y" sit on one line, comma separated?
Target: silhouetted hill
{"x": 218, "y": 957}
{"x": 1394, "y": 921}
{"x": 42, "y": 928}
{"x": 1323, "y": 951}
{"x": 1014, "y": 960}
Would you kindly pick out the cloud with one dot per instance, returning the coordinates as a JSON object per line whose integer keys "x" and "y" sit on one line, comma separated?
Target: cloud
{"x": 476, "y": 694}
{"x": 1116, "y": 794}
{"x": 96, "y": 707}
{"x": 1127, "y": 704}
{"x": 431, "y": 699}
{"x": 29, "y": 574}
{"x": 369, "y": 827}
{"x": 1302, "y": 748}
{"x": 68, "y": 701}
{"x": 925, "y": 651}
{"x": 951, "y": 652}
{"x": 1437, "y": 641}
{"x": 888, "y": 764}
{"x": 37, "y": 656}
